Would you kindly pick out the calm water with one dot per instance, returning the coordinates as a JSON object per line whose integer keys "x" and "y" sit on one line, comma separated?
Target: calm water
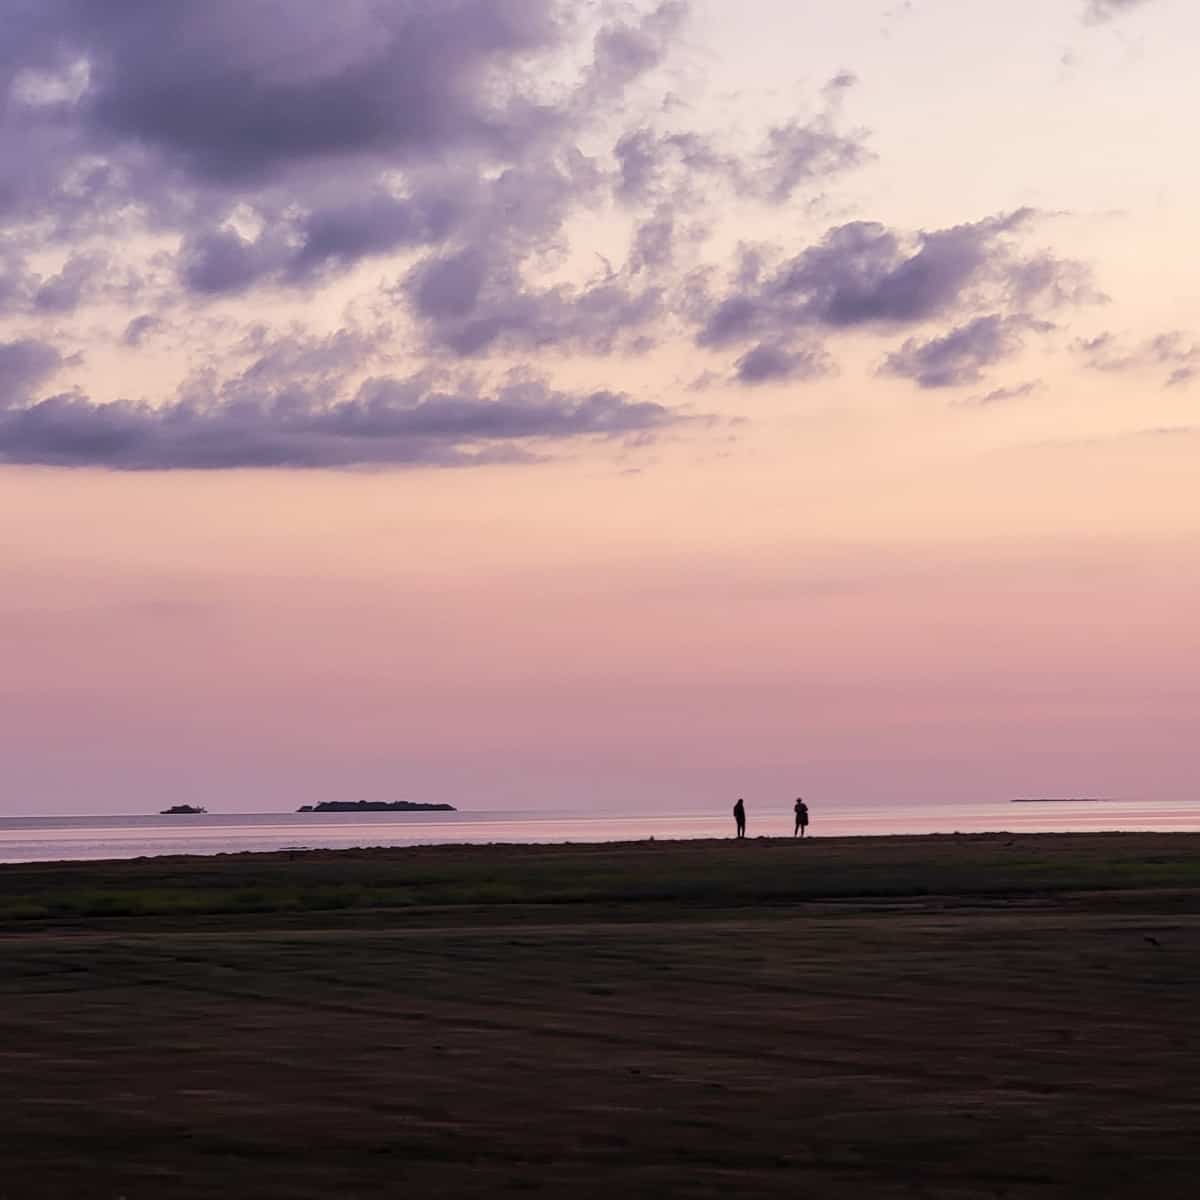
{"x": 37, "y": 839}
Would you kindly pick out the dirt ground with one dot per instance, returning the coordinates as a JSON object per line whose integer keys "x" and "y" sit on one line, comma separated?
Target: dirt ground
{"x": 943, "y": 1046}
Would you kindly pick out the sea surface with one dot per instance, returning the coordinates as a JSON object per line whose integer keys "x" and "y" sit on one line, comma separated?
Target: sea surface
{"x": 47, "y": 839}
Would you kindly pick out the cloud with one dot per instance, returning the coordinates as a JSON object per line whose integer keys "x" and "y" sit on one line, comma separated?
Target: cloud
{"x": 388, "y": 421}
{"x": 234, "y": 90}
{"x": 1174, "y": 352}
{"x": 63, "y": 292}
{"x": 683, "y": 166}
{"x": 624, "y": 51}
{"x": 960, "y": 356}
{"x": 766, "y": 363}
{"x": 301, "y": 248}
{"x": 483, "y": 180}
{"x": 23, "y": 366}
{"x": 290, "y": 401}
{"x": 473, "y": 304}
{"x": 864, "y": 275}
{"x": 1098, "y": 12}
{"x": 222, "y": 261}
{"x": 1004, "y": 395}
{"x": 140, "y": 328}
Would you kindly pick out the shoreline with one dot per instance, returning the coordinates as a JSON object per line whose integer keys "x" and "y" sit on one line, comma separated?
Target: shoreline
{"x": 294, "y": 852}
{"x": 389, "y": 837}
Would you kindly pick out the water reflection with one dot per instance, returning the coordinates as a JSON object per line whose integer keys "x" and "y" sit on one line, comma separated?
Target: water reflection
{"x": 34, "y": 839}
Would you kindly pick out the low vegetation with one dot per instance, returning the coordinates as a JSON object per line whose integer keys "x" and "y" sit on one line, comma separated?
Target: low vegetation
{"x": 637, "y": 877}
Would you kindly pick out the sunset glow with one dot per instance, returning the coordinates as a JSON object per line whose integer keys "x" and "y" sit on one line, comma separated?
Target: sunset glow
{"x": 518, "y": 404}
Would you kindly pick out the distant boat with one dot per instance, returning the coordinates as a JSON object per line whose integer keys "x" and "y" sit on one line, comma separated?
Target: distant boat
{"x": 182, "y": 810}
{"x": 349, "y": 806}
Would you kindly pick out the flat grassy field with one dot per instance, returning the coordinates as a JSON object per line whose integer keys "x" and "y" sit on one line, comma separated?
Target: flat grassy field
{"x": 959, "y": 1017}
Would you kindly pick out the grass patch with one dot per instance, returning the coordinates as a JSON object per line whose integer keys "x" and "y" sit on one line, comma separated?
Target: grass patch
{"x": 633, "y": 875}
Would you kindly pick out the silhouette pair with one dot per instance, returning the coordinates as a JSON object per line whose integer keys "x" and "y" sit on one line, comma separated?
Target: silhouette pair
{"x": 800, "y": 809}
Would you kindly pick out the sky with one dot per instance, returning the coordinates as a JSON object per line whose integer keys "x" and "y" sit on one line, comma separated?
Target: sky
{"x": 531, "y": 404}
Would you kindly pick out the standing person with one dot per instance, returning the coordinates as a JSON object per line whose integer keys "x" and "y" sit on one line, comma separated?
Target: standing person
{"x": 739, "y": 815}
{"x": 801, "y": 818}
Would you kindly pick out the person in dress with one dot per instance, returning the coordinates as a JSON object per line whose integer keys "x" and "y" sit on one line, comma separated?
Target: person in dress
{"x": 801, "y": 818}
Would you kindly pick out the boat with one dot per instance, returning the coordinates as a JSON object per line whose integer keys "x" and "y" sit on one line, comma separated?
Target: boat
{"x": 182, "y": 810}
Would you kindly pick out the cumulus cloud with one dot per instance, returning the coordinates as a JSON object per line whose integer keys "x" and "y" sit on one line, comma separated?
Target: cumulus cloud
{"x": 473, "y": 302}
{"x": 623, "y": 51}
{"x": 388, "y": 421}
{"x": 960, "y": 356}
{"x": 864, "y": 275}
{"x": 24, "y": 365}
{"x": 442, "y": 168}
{"x": 281, "y": 143}
{"x": 242, "y": 88}
{"x": 286, "y": 403}
{"x": 767, "y": 363}
{"x": 62, "y": 293}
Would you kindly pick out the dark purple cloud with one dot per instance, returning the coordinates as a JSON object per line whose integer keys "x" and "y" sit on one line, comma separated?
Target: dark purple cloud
{"x": 483, "y": 295}
{"x": 287, "y": 405}
{"x": 426, "y": 166}
{"x": 339, "y": 235}
{"x": 222, "y": 261}
{"x": 63, "y": 292}
{"x": 238, "y": 89}
{"x": 303, "y": 248}
{"x": 624, "y": 51}
{"x": 961, "y": 356}
{"x": 473, "y": 306}
{"x": 388, "y": 421}
{"x": 766, "y": 363}
{"x": 865, "y": 275}
{"x": 24, "y": 365}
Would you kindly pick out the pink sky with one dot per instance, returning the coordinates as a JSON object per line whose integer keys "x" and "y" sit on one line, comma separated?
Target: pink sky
{"x": 908, "y": 510}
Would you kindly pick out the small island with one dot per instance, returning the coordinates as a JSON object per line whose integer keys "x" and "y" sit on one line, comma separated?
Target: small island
{"x": 182, "y": 810}
{"x": 345, "y": 806}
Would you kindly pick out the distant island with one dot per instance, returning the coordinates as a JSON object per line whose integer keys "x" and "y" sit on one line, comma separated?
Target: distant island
{"x": 342, "y": 806}
{"x": 182, "y": 810}
{"x": 1061, "y": 800}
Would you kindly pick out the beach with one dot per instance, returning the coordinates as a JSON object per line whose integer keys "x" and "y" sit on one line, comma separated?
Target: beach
{"x": 972, "y": 1016}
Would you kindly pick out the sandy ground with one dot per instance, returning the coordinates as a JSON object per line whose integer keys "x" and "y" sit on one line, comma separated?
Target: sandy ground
{"x": 952, "y": 1045}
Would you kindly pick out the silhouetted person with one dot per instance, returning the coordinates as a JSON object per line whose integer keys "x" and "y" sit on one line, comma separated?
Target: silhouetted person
{"x": 801, "y": 818}
{"x": 739, "y": 815}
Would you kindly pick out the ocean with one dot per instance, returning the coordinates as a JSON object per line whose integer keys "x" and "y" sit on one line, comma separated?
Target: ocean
{"x": 47, "y": 839}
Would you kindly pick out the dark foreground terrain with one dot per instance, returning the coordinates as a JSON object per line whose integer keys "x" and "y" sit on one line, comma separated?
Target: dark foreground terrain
{"x": 999, "y": 1016}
